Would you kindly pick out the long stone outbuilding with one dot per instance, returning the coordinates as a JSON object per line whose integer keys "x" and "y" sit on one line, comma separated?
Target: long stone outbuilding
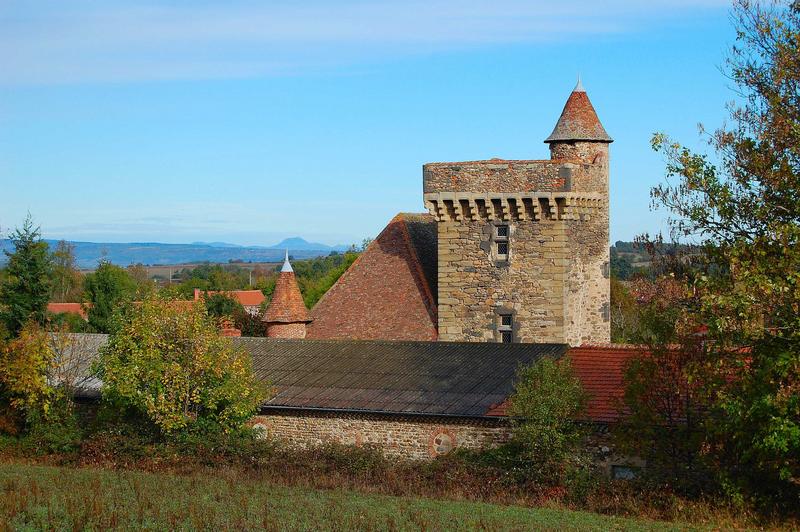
{"x": 414, "y": 400}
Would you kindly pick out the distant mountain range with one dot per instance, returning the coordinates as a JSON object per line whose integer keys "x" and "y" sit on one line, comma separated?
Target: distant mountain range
{"x": 89, "y": 254}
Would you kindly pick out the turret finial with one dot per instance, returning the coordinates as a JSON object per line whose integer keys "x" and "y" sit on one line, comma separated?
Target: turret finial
{"x": 287, "y": 267}
{"x": 579, "y": 86}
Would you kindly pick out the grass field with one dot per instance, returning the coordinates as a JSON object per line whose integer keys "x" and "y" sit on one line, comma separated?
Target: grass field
{"x": 62, "y": 498}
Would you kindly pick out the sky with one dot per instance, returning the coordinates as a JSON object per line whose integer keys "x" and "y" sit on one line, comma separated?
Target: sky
{"x": 247, "y": 122}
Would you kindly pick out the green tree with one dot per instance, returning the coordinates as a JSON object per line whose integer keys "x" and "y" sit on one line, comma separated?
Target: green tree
{"x": 172, "y": 366}
{"x": 26, "y": 290}
{"x": 106, "y": 289}
{"x": 66, "y": 279}
{"x": 746, "y": 212}
{"x": 221, "y": 305}
{"x": 545, "y": 410}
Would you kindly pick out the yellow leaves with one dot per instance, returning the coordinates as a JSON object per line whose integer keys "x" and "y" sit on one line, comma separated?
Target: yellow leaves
{"x": 184, "y": 370}
{"x": 23, "y": 371}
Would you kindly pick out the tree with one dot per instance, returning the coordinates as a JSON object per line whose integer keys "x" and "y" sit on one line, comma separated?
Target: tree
{"x": 624, "y": 313}
{"x": 26, "y": 290}
{"x": 66, "y": 279}
{"x": 665, "y": 397}
{"x": 106, "y": 288}
{"x": 141, "y": 277}
{"x": 746, "y": 212}
{"x": 172, "y": 366}
{"x": 545, "y": 409}
{"x": 221, "y": 305}
{"x": 24, "y": 367}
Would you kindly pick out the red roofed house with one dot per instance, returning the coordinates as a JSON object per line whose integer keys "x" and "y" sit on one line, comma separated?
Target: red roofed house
{"x": 251, "y": 300}
{"x": 78, "y": 309}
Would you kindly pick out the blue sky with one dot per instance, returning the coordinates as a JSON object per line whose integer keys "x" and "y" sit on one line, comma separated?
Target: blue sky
{"x": 247, "y": 122}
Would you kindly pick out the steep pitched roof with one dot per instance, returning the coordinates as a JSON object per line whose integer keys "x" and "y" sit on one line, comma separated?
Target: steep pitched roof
{"x": 578, "y": 120}
{"x": 428, "y": 378}
{"x": 389, "y": 291}
{"x": 287, "y": 304}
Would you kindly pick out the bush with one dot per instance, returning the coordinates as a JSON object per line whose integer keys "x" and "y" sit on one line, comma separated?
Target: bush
{"x": 547, "y": 401}
{"x": 172, "y": 367}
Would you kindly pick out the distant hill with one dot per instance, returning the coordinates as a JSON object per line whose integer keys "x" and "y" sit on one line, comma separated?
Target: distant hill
{"x": 89, "y": 254}
{"x": 297, "y": 243}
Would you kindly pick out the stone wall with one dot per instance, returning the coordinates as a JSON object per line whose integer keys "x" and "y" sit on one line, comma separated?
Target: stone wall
{"x": 414, "y": 437}
{"x": 555, "y": 279}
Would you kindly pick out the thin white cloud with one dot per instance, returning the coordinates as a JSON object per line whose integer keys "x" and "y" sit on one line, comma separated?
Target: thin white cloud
{"x": 83, "y": 40}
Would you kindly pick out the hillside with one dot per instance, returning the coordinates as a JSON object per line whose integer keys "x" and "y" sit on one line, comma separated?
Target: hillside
{"x": 88, "y": 254}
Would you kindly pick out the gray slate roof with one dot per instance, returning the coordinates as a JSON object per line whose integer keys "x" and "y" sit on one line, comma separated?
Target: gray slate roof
{"x": 428, "y": 378}
{"x": 424, "y": 239}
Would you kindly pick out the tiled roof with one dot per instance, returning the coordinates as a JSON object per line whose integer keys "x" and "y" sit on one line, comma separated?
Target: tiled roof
{"x": 578, "y": 121}
{"x": 68, "y": 308}
{"x": 287, "y": 304}
{"x": 431, "y": 378}
{"x": 248, "y": 298}
{"x": 601, "y": 369}
{"x": 389, "y": 291}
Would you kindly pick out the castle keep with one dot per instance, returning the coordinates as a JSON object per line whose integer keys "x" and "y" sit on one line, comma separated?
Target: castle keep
{"x": 523, "y": 250}
{"x": 512, "y": 251}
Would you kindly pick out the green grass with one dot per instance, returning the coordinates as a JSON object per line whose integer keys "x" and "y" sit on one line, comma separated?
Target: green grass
{"x": 63, "y": 498}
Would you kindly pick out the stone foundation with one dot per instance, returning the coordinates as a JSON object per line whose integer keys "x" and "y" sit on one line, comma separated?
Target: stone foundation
{"x": 412, "y": 437}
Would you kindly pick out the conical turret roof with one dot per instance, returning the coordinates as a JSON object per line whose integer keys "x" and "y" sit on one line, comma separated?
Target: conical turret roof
{"x": 287, "y": 304}
{"x": 578, "y": 120}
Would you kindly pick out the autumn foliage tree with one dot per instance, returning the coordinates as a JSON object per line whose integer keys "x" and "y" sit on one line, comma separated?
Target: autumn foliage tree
{"x": 745, "y": 211}
{"x": 171, "y": 366}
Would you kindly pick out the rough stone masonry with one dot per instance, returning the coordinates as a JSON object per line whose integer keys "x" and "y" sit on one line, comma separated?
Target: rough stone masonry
{"x": 523, "y": 246}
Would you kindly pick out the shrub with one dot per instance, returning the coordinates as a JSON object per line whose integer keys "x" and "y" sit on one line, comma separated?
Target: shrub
{"x": 547, "y": 401}
{"x": 24, "y": 366}
{"x": 172, "y": 366}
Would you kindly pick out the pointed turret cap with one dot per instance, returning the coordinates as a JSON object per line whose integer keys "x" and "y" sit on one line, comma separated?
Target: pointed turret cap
{"x": 578, "y": 120}
{"x": 287, "y": 266}
{"x": 287, "y": 304}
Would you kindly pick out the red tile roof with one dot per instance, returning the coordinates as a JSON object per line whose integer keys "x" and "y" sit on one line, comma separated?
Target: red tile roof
{"x": 389, "y": 291}
{"x": 578, "y": 121}
{"x": 287, "y": 304}
{"x": 248, "y": 298}
{"x": 69, "y": 308}
{"x": 601, "y": 369}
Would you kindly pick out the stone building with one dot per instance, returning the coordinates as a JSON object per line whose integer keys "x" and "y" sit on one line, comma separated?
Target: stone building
{"x": 512, "y": 251}
{"x": 415, "y": 348}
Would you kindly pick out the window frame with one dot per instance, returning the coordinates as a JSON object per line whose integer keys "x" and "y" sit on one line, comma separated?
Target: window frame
{"x": 504, "y": 329}
{"x": 499, "y": 239}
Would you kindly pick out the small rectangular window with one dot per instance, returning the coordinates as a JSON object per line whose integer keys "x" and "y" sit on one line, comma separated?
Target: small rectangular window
{"x": 619, "y": 472}
{"x": 505, "y": 327}
{"x": 501, "y": 241}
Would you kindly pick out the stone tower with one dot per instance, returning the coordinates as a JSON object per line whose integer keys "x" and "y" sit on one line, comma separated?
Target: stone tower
{"x": 523, "y": 245}
{"x": 286, "y": 315}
